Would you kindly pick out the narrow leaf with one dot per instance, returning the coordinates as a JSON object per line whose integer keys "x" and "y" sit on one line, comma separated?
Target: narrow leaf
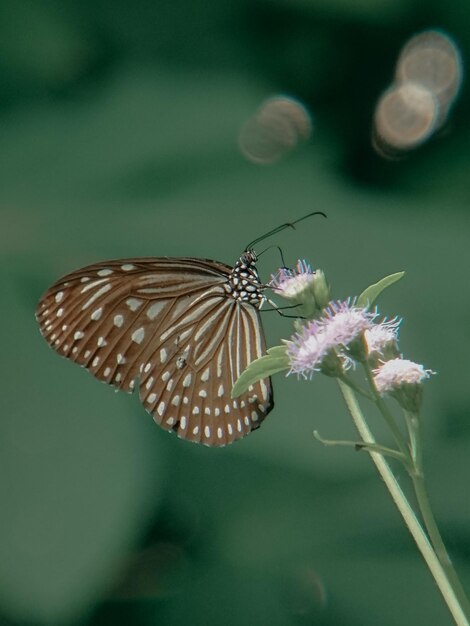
{"x": 369, "y": 295}
{"x": 261, "y": 368}
{"x": 277, "y": 351}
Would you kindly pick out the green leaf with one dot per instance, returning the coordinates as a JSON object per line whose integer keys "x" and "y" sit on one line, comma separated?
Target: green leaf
{"x": 275, "y": 361}
{"x": 277, "y": 351}
{"x": 369, "y": 295}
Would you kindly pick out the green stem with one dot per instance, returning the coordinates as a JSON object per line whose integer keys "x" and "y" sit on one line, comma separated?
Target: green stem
{"x": 400, "y": 441}
{"x": 417, "y": 477}
{"x": 346, "y": 379}
{"x": 435, "y": 567}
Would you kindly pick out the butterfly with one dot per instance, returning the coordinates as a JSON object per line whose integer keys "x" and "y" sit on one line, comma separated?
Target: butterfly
{"x": 181, "y": 330}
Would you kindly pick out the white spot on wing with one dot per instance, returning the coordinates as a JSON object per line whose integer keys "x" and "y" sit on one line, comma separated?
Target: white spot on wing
{"x": 149, "y": 383}
{"x": 97, "y": 313}
{"x": 78, "y": 335}
{"x": 95, "y": 283}
{"x": 203, "y": 393}
{"x": 107, "y": 371}
{"x": 118, "y": 320}
{"x": 120, "y": 358}
{"x": 96, "y": 295}
{"x": 59, "y": 296}
{"x": 101, "y": 342}
{"x": 264, "y": 390}
{"x": 133, "y": 303}
{"x": 220, "y": 433}
{"x": 127, "y": 267}
{"x": 207, "y": 431}
{"x": 155, "y": 309}
{"x": 152, "y": 397}
{"x": 138, "y": 335}
{"x": 183, "y": 422}
{"x": 104, "y": 272}
{"x": 220, "y": 392}
{"x": 205, "y": 375}
{"x": 163, "y": 355}
{"x": 161, "y": 408}
{"x": 187, "y": 380}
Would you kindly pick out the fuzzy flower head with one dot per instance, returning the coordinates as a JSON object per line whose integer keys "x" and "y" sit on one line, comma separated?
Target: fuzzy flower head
{"x": 302, "y": 286}
{"x": 382, "y": 339}
{"x": 321, "y": 344}
{"x": 344, "y": 323}
{"x": 402, "y": 379}
{"x": 308, "y": 350}
{"x": 290, "y": 283}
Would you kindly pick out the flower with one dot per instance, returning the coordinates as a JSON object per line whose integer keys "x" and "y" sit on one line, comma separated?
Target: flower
{"x": 307, "y": 349}
{"x": 381, "y": 339}
{"x": 321, "y": 344}
{"x": 302, "y": 286}
{"x": 290, "y": 283}
{"x": 402, "y": 379}
{"x": 344, "y": 322}
{"x": 396, "y": 372}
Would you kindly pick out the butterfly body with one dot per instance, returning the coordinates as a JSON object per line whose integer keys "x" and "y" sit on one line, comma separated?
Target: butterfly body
{"x": 183, "y": 328}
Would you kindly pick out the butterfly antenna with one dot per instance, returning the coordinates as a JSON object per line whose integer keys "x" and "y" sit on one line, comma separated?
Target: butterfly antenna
{"x": 278, "y": 229}
{"x": 258, "y": 254}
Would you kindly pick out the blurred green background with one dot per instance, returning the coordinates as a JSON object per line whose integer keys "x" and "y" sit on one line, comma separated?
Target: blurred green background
{"x": 118, "y": 138}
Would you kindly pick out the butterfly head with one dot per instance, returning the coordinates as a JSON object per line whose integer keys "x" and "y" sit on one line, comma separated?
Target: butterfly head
{"x": 243, "y": 283}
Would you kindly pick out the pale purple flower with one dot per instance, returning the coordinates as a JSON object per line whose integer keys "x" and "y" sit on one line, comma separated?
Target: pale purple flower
{"x": 291, "y": 283}
{"x": 392, "y": 374}
{"x": 381, "y": 335}
{"x": 343, "y": 322}
{"x": 307, "y": 349}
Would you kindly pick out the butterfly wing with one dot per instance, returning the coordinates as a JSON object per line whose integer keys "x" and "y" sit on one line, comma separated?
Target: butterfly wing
{"x": 171, "y": 324}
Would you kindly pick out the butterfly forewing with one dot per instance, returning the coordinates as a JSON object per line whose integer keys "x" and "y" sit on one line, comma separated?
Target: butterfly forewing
{"x": 171, "y": 324}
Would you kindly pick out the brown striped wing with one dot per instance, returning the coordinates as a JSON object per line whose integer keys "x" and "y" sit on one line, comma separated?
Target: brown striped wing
{"x": 170, "y": 325}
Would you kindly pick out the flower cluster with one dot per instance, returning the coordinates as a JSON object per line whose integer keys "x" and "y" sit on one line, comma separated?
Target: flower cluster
{"x": 343, "y": 333}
